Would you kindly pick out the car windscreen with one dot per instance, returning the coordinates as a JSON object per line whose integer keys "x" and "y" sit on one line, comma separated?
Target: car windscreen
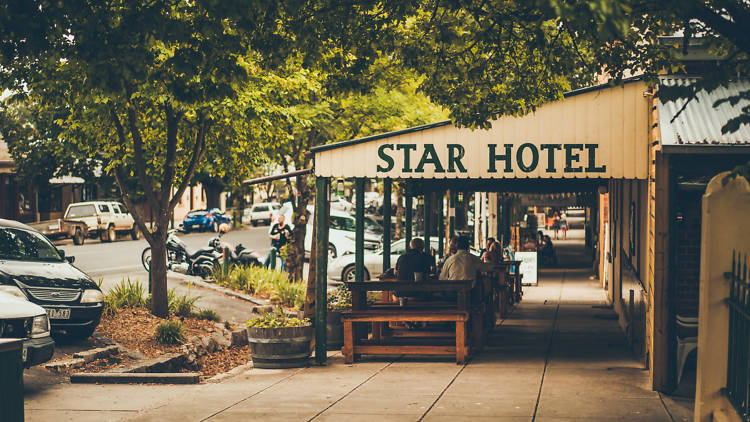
{"x": 196, "y": 213}
{"x": 342, "y": 223}
{"x": 77, "y": 211}
{"x": 22, "y": 245}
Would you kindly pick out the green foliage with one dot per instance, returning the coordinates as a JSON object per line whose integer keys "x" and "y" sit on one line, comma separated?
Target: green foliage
{"x": 208, "y": 314}
{"x": 278, "y": 320}
{"x": 339, "y": 299}
{"x": 289, "y": 293}
{"x": 170, "y": 332}
{"x": 181, "y": 305}
{"x": 126, "y": 294}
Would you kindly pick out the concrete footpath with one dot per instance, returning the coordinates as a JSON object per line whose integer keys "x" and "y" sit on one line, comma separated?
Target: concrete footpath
{"x": 559, "y": 356}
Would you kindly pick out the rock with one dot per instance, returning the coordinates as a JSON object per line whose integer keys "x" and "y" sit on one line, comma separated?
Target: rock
{"x": 262, "y": 309}
{"x": 222, "y": 341}
{"x": 239, "y": 337}
{"x": 98, "y": 353}
{"x": 212, "y": 345}
{"x": 62, "y": 365}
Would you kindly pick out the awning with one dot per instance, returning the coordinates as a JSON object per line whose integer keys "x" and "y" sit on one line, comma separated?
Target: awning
{"x": 599, "y": 132}
{"x": 66, "y": 180}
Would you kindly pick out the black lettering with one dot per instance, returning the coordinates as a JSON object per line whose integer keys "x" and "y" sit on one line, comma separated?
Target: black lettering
{"x": 455, "y": 154}
{"x": 385, "y": 157}
{"x": 505, "y": 157}
{"x": 534, "y": 157}
{"x": 572, "y": 158}
{"x": 551, "y": 148}
{"x": 592, "y": 168}
{"x": 407, "y": 155}
{"x": 429, "y": 156}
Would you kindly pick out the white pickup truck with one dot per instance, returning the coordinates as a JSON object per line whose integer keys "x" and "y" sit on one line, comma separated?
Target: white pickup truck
{"x": 104, "y": 219}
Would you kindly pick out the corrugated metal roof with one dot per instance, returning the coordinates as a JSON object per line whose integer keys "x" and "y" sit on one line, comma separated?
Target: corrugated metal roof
{"x": 700, "y": 123}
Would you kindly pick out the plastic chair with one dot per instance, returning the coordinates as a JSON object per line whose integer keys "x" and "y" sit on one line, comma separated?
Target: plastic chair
{"x": 685, "y": 344}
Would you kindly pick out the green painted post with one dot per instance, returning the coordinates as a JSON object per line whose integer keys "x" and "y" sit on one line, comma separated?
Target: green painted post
{"x": 440, "y": 224}
{"x": 427, "y": 218}
{"x": 321, "y": 269}
{"x": 359, "y": 229}
{"x": 408, "y": 219}
{"x": 386, "y": 224}
{"x": 11, "y": 380}
{"x": 149, "y": 276}
{"x": 452, "y": 217}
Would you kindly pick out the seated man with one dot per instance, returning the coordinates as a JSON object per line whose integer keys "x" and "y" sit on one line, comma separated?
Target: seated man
{"x": 463, "y": 265}
{"x": 415, "y": 260}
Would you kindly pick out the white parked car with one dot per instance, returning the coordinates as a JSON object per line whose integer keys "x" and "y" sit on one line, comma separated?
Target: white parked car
{"x": 341, "y": 235}
{"x": 262, "y": 213}
{"x": 104, "y": 219}
{"x": 22, "y": 319}
{"x": 342, "y": 268}
{"x": 341, "y": 204}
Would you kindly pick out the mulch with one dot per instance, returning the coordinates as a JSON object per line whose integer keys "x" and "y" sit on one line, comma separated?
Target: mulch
{"x": 135, "y": 329}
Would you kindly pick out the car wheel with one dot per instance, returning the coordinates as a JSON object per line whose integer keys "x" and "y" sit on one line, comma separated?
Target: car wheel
{"x": 254, "y": 223}
{"x": 110, "y": 235}
{"x": 348, "y": 274}
{"x": 81, "y": 333}
{"x": 78, "y": 237}
{"x": 331, "y": 252}
{"x": 135, "y": 233}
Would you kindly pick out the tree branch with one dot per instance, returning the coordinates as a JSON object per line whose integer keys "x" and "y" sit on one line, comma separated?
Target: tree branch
{"x": 137, "y": 216}
{"x": 169, "y": 163}
{"x": 140, "y": 161}
{"x": 198, "y": 150}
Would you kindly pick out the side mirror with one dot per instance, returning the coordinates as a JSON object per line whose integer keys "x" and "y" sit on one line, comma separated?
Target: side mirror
{"x": 70, "y": 259}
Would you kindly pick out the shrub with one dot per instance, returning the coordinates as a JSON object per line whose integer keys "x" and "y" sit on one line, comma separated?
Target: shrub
{"x": 290, "y": 294}
{"x": 339, "y": 299}
{"x": 170, "y": 332}
{"x": 208, "y": 314}
{"x": 126, "y": 294}
{"x": 182, "y": 305}
{"x": 221, "y": 275}
{"x": 278, "y": 320}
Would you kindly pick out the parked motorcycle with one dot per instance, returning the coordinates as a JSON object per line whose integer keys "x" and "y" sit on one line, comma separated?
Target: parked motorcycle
{"x": 182, "y": 260}
{"x": 237, "y": 254}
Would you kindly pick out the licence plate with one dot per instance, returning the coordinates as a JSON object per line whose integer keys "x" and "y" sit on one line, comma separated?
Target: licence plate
{"x": 58, "y": 313}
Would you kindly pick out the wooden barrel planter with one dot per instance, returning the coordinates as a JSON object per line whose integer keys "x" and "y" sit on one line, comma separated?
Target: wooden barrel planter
{"x": 285, "y": 347}
{"x": 334, "y": 330}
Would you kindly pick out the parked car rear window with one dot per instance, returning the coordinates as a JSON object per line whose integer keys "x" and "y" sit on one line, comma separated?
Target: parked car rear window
{"x": 196, "y": 213}
{"x": 261, "y": 208}
{"x": 24, "y": 245}
{"x": 343, "y": 223}
{"x": 77, "y": 211}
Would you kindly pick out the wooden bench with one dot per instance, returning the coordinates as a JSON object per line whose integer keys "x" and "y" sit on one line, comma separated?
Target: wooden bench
{"x": 353, "y": 348}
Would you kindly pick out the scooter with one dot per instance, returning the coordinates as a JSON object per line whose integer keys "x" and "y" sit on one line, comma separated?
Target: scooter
{"x": 238, "y": 255}
{"x": 182, "y": 260}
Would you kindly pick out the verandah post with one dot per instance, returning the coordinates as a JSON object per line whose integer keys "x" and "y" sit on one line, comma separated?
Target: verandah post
{"x": 359, "y": 229}
{"x": 427, "y": 226}
{"x": 322, "y": 185}
{"x": 386, "y": 224}
{"x": 408, "y": 210}
{"x": 440, "y": 223}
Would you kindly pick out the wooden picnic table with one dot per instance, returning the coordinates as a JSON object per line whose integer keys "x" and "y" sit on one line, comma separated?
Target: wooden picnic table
{"x": 453, "y": 307}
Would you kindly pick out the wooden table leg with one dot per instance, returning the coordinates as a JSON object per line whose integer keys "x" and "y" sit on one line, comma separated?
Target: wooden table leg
{"x": 348, "y": 349}
{"x": 461, "y": 351}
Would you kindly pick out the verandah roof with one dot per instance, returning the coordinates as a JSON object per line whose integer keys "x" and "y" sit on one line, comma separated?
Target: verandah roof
{"x": 592, "y": 133}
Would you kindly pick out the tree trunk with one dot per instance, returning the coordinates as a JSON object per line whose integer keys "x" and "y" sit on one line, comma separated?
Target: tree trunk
{"x": 213, "y": 194}
{"x": 159, "y": 304}
{"x": 296, "y": 249}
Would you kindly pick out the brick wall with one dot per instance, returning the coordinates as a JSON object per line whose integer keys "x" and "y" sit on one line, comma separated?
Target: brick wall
{"x": 687, "y": 253}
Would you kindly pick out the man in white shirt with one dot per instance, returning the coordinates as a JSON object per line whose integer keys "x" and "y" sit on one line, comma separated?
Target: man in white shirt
{"x": 463, "y": 265}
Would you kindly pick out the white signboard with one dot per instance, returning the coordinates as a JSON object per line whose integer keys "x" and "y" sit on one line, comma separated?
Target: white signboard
{"x": 528, "y": 267}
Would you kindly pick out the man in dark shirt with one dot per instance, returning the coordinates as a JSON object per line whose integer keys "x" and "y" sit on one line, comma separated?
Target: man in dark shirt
{"x": 415, "y": 260}
{"x": 279, "y": 234}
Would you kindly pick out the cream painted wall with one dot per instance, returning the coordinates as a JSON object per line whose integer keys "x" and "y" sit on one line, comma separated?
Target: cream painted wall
{"x": 725, "y": 228}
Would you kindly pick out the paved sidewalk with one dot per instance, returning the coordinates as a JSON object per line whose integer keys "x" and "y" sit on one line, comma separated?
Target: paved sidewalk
{"x": 556, "y": 358}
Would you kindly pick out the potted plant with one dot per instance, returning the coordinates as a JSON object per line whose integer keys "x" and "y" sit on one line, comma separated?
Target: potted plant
{"x": 279, "y": 341}
{"x": 339, "y": 299}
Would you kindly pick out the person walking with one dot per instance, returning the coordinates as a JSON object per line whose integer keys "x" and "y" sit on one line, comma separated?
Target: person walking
{"x": 564, "y": 225}
{"x": 280, "y": 232}
{"x": 556, "y": 224}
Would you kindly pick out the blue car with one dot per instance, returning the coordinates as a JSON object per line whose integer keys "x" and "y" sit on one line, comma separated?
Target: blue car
{"x": 204, "y": 220}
